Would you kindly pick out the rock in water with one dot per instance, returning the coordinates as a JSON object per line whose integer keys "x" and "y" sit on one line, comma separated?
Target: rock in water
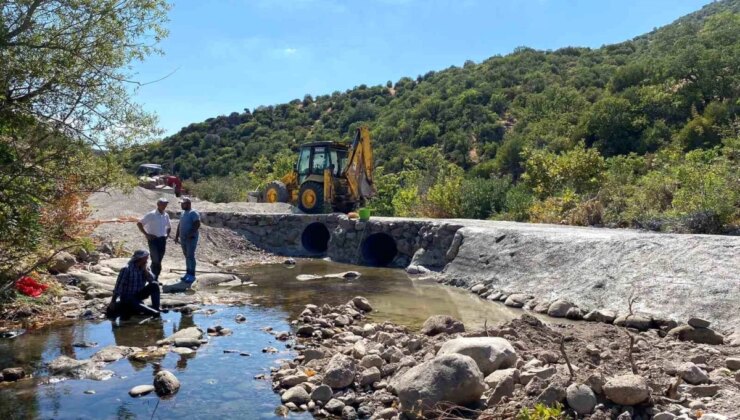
{"x": 438, "y": 324}
{"x": 340, "y": 372}
{"x": 581, "y": 398}
{"x": 140, "y": 390}
{"x": 451, "y": 378}
{"x": 600, "y": 315}
{"x": 627, "y": 389}
{"x": 489, "y": 353}
{"x": 362, "y": 304}
{"x": 166, "y": 383}
{"x": 193, "y": 333}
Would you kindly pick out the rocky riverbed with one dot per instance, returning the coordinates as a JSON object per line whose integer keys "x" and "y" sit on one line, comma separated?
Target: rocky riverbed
{"x": 350, "y": 368}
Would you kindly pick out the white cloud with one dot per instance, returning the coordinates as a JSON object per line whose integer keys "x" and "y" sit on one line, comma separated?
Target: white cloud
{"x": 289, "y": 51}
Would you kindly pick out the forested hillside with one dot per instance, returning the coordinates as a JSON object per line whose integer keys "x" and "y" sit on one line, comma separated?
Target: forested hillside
{"x": 641, "y": 133}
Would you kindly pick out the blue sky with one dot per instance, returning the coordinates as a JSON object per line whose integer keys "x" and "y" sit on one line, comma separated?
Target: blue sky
{"x": 228, "y": 55}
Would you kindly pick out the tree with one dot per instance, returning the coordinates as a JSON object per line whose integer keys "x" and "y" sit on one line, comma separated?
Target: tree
{"x": 65, "y": 89}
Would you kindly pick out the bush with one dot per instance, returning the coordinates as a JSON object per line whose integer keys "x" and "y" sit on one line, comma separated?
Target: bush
{"x": 482, "y": 198}
{"x": 543, "y": 412}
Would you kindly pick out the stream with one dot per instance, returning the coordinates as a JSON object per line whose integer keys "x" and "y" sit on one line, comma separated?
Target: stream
{"x": 214, "y": 381}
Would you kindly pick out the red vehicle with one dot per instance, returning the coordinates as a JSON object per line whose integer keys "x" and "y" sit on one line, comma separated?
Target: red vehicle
{"x": 151, "y": 176}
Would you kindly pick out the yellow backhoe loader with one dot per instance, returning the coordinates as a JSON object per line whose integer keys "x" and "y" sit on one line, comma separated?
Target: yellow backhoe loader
{"x": 328, "y": 177}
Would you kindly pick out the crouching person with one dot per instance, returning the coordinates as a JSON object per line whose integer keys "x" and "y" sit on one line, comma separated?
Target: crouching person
{"x": 135, "y": 283}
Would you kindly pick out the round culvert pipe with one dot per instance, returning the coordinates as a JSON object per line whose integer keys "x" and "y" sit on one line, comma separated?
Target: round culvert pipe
{"x": 315, "y": 238}
{"x": 379, "y": 250}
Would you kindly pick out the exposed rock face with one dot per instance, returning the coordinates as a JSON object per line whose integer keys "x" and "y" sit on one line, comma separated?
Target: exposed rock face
{"x": 489, "y": 353}
{"x": 340, "y": 372}
{"x": 697, "y": 335}
{"x": 452, "y": 378}
{"x": 166, "y": 383}
{"x": 627, "y": 389}
{"x": 439, "y": 324}
{"x": 581, "y": 398}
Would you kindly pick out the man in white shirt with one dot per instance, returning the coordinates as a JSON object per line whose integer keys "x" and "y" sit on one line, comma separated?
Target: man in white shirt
{"x": 156, "y": 227}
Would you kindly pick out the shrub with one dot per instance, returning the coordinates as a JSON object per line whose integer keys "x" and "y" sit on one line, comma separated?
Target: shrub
{"x": 543, "y": 412}
{"x": 482, "y": 198}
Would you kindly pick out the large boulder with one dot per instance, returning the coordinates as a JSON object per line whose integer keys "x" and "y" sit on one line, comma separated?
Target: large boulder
{"x": 61, "y": 263}
{"x": 450, "y": 378}
{"x": 627, "y": 389}
{"x": 697, "y": 335}
{"x": 489, "y": 353}
{"x": 559, "y": 308}
{"x": 340, "y": 371}
{"x": 296, "y": 395}
{"x": 438, "y": 324}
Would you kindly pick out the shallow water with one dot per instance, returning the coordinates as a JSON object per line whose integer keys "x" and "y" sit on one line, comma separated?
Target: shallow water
{"x": 214, "y": 383}
{"x": 392, "y": 293}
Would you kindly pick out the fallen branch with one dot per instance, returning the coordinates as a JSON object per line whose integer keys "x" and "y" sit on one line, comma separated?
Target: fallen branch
{"x": 565, "y": 356}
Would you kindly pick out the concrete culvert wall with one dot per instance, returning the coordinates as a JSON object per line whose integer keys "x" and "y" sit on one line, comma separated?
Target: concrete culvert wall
{"x": 379, "y": 249}
{"x": 315, "y": 238}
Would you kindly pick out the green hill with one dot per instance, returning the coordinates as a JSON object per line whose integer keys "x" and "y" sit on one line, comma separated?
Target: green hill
{"x": 635, "y": 133}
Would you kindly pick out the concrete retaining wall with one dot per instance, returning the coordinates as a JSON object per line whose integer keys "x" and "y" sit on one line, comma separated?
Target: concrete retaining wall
{"x": 675, "y": 276}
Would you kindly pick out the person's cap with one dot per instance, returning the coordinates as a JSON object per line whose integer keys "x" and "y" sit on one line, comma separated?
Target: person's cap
{"x": 163, "y": 200}
{"x": 185, "y": 200}
{"x": 139, "y": 254}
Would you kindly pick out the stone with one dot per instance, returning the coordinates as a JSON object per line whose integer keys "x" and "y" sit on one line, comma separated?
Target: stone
{"x": 664, "y": 415}
{"x": 574, "y": 313}
{"x": 544, "y": 372}
{"x": 305, "y": 331}
{"x": 581, "y": 398}
{"x": 692, "y": 374}
{"x": 442, "y": 324}
{"x": 493, "y": 379}
{"x": 293, "y": 380}
{"x": 489, "y": 353}
{"x": 372, "y": 360}
{"x": 342, "y": 321}
{"x": 504, "y": 387}
{"x": 478, "y": 288}
{"x": 282, "y": 411}
{"x": 554, "y": 393}
{"x": 340, "y": 372}
{"x": 359, "y": 350}
{"x": 190, "y": 332}
{"x": 166, "y": 383}
{"x": 517, "y": 300}
{"x": 78, "y": 369}
{"x": 362, "y": 304}
{"x": 696, "y": 335}
{"x": 713, "y": 416}
{"x": 370, "y": 376}
{"x": 638, "y": 322}
{"x": 596, "y": 382}
{"x": 349, "y": 413}
{"x": 548, "y": 356}
{"x": 187, "y": 342}
{"x": 733, "y": 363}
{"x": 183, "y": 351}
{"x": 13, "y": 374}
{"x": 240, "y": 318}
{"x": 452, "y": 378}
{"x": 61, "y": 262}
{"x": 698, "y": 323}
{"x": 112, "y": 353}
{"x": 334, "y": 406}
{"x": 140, "y": 390}
{"x": 702, "y": 391}
{"x": 627, "y": 389}
{"x": 296, "y": 395}
{"x": 322, "y": 393}
{"x": 392, "y": 354}
{"x": 559, "y": 308}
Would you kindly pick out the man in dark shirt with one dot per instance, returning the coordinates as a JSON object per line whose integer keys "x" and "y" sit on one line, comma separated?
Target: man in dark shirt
{"x": 135, "y": 283}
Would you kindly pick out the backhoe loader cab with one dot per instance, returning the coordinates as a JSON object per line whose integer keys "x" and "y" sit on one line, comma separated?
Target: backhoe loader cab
{"x": 328, "y": 176}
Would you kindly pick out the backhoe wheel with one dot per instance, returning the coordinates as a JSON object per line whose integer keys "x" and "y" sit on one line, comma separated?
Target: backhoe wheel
{"x": 311, "y": 198}
{"x": 276, "y": 192}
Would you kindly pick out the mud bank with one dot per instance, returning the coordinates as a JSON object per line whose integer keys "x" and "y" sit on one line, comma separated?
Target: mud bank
{"x": 673, "y": 276}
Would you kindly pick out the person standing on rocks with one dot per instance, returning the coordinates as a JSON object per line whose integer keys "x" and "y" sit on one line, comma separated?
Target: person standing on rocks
{"x": 156, "y": 227}
{"x": 135, "y": 283}
{"x": 187, "y": 236}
